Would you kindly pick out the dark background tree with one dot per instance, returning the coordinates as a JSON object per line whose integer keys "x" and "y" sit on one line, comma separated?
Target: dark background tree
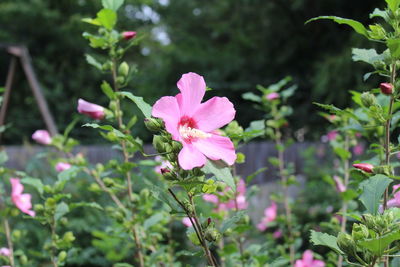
{"x": 235, "y": 45}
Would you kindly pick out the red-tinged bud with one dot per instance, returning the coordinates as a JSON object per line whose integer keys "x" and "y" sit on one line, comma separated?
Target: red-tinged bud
{"x": 208, "y": 221}
{"x": 164, "y": 170}
{"x": 364, "y": 167}
{"x": 386, "y": 88}
{"x": 128, "y": 35}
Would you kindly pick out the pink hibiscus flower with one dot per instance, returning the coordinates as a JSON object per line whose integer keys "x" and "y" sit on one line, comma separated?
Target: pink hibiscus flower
{"x": 22, "y": 201}
{"x": 5, "y": 252}
{"x": 42, "y": 137}
{"x": 94, "y": 111}
{"x": 62, "y": 166}
{"x": 308, "y": 261}
{"x": 194, "y": 123}
{"x": 270, "y": 214}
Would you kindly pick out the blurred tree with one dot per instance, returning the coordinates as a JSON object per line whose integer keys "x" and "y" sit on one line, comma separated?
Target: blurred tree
{"x": 234, "y": 44}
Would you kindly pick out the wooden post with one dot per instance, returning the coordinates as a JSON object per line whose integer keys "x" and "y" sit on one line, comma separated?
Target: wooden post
{"x": 22, "y": 53}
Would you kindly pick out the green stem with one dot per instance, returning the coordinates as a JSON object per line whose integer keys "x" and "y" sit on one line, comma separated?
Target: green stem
{"x": 9, "y": 242}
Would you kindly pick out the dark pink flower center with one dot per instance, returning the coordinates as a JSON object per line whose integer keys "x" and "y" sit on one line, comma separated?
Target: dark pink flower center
{"x": 187, "y": 128}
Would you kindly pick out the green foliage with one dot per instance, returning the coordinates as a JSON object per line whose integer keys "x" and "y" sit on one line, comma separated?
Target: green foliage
{"x": 372, "y": 191}
{"x": 357, "y": 26}
{"x": 323, "y": 239}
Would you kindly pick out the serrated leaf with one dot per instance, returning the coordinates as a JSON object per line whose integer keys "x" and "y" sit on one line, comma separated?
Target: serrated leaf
{"x": 221, "y": 171}
{"x": 323, "y": 239}
{"x": 36, "y": 183}
{"x": 61, "y": 209}
{"x": 369, "y": 56}
{"x": 393, "y": 4}
{"x": 141, "y": 104}
{"x": 378, "y": 245}
{"x": 112, "y": 4}
{"x": 92, "y": 61}
{"x": 373, "y": 189}
{"x": 394, "y": 47}
{"x": 231, "y": 222}
{"x": 107, "y": 18}
{"x": 357, "y": 26}
{"x": 337, "y": 111}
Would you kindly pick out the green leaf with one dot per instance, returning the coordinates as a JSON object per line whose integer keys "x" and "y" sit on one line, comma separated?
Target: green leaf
{"x": 3, "y": 157}
{"x": 36, "y": 183}
{"x": 379, "y": 13}
{"x": 254, "y": 174}
{"x": 107, "y": 18}
{"x": 231, "y": 222}
{"x": 373, "y": 189}
{"x": 393, "y": 4}
{"x": 107, "y": 90}
{"x": 394, "y": 47}
{"x": 141, "y": 104}
{"x": 123, "y": 265}
{"x": 92, "y": 61}
{"x": 153, "y": 220}
{"x": 378, "y": 245}
{"x": 337, "y": 111}
{"x": 252, "y": 97}
{"x": 221, "y": 171}
{"x": 112, "y": 4}
{"x": 91, "y": 21}
{"x": 61, "y": 209}
{"x": 357, "y": 26}
{"x": 369, "y": 56}
{"x": 323, "y": 239}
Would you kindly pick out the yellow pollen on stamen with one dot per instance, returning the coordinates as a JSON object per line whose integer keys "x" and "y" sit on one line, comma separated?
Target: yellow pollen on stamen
{"x": 188, "y": 132}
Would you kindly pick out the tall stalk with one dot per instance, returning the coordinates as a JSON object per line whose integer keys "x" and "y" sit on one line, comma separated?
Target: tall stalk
{"x": 9, "y": 242}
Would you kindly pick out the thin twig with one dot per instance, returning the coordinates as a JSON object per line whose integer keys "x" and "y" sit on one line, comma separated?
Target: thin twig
{"x": 9, "y": 242}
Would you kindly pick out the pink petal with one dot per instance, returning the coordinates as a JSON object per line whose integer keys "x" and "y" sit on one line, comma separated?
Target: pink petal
{"x": 271, "y": 212}
{"x": 190, "y": 157}
{"x": 217, "y": 147}
{"x": 261, "y": 226}
{"x": 318, "y": 263}
{"x": 241, "y": 187}
{"x": 215, "y": 113}
{"x": 211, "y": 198}
{"x": 193, "y": 88}
{"x": 5, "y": 252}
{"x": 339, "y": 184}
{"x": 167, "y": 109}
{"x": 42, "y": 137}
{"x": 308, "y": 257}
{"x": 92, "y": 110}
{"x": 299, "y": 263}
{"x": 186, "y": 221}
{"x": 62, "y": 166}
{"x": 16, "y": 187}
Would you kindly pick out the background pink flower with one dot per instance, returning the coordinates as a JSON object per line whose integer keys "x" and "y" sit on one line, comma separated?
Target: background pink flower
{"x": 186, "y": 221}
{"x": 272, "y": 96}
{"x": 42, "y": 137}
{"x": 21, "y": 201}
{"x": 339, "y": 184}
{"x": 62, "y": 166}
{"x": 164, "y": 164}
{"x": 94, "y": 111}
{"x": 308, "y": 261}
{"x": 128, "y": 35}
{"x": 5, "y": 252}
{"x": 239, "y": 202}
{"x": 193, "y": 123}
{"x": 270, "y": 215}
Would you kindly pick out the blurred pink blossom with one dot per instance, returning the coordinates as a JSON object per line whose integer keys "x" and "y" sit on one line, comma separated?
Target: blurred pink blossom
{"x": 270, "y": 214}
{"x": 192, "y": 123}
{"x": 239, "y": 202}
{"x": 128, "y": 35}
{"x": 340, "y": 187}
{"x": 277, "y": 234}
{"x": 186, "y": 221}
{"x": 5, "y": 252}
{"x": 42, "y": 137}
{"x": 94, "y": 111}
{"x": 22, "y": 201}
{"x": 308, "y": 261}
{"x": 358, "y": 150}
{"x": 62, "y": 166}
{"x": 272, "y": 96}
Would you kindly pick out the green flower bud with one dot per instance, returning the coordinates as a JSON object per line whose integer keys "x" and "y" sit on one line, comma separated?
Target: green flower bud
{"x": 94, "y": 187}
{"x": 188, "y": 206}
{"x": 62, "y": 256}
{"x": 123, "y": 69}
{"x": 368, "y": 99}
{"x": 384, "y": 169}
{"x": 16, "y": 234}
{"x": 38, "y": 207}
{"x": 176, "y": 146}
{"x": 50, "y": 203}
{"x": 212, "y": 235}
{"x": 108, "y": 182}
{"x": 168, "y": 175}
{"x": 120, "y": 80}
{"x": 120, "y": 52}
{"x": 369, "y": 221}
{"x": 48, "y": 189}
{"x": 346, "y": 243}
{"x": 23, "y": 259}
{"x": 159, "y": 144}
{"x": 153, "y": 124}
{"x": 145, "y": 193}
{"x": 69, "y": 237}
{"x": 359, "y": 232}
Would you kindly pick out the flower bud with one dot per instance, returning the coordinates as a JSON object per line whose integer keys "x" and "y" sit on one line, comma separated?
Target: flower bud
{"x": 167, "y": 174}
{"x": 368, "y": 99}
{"x": 128, "y": 35}
{"x": 346, "y": 243}
{"x": 62, "y": 256}
{"x": 359, "y": 232}
{"x": 123, "y": 69}
{"x": 386, "y": 88}
{"x": 212, "y": 235}
{"x": 159, "y": 144}
{"x": 364, "y": 167}
{"x": 108, "y": 182}
{"x": 272, "y": 96}
{"x": 176, "y": 146}
{"x": 369, "y": 220}
{"x": 69, "y": 237}
{"x": 154, "y": 125}
{"x": 188, "y": 206}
